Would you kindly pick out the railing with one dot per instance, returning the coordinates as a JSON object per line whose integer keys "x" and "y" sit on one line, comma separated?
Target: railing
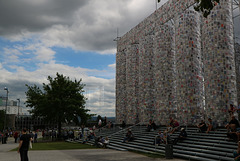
{"x": 124, "y": 130}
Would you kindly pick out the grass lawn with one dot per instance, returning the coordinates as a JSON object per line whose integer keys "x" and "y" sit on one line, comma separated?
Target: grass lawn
{"x": 58, "y": 146}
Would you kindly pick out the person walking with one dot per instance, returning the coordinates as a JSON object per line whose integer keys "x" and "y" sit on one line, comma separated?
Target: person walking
{"x": 24, "y": 145}
{"x": 15, "y": 136}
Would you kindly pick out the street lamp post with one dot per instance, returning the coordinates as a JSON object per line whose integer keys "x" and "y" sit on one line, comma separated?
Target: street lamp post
{"x": 18, "y": 112}
{"x": 5, "y": 118}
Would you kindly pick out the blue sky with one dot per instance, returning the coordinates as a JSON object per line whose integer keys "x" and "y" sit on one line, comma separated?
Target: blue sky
{"x": 39, "y": 38}
{"x": 88, "y": 60}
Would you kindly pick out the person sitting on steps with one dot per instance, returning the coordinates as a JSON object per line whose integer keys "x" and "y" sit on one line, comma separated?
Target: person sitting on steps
{"x": 154, "y": 126}
{"x": 129, "y": 136}
{"x": 233, "y": 124}
{"x": 158, "y": 139}
{"x": 211, "y": 125}
{"x": 174, "y": 125}
{"x": 181, "y": 136}
{"x": 202, "y": 126}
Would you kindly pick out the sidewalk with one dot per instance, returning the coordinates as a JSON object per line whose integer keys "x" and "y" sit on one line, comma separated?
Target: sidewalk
{"x": 9, "y": 146}
{"x": 73, "y": 155}
{"x": 80, "y": 155}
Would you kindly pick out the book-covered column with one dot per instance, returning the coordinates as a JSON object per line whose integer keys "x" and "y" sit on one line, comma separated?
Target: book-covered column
{"x": 164, "y": 74}
{"x": 121, "y": 100}
{"x": 146, "y": 79}
{"x": 132, "y": 83}
{"x": 237, "y": 56}
{"x": 219, "y": 62}
{"x": 188, "y": 68}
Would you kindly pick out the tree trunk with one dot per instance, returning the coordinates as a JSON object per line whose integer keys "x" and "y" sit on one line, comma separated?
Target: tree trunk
{"x": 59, "y": 129}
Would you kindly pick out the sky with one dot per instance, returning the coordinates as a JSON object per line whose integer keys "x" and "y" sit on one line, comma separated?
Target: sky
{"x": 39, "y": 38}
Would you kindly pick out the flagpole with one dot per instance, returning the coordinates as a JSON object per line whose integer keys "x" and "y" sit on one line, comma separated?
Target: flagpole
{"x": 156, "y": 4}
{"x": 157, "y": 1}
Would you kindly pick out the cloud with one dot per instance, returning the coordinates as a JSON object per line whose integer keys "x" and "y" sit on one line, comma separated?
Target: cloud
{"x": 45, "y": 54}
{"x": 35, "y": 15}
{"x": 112, "y": 66}
{"x": 102, "y": 88}
{"x": 86, "y": 25}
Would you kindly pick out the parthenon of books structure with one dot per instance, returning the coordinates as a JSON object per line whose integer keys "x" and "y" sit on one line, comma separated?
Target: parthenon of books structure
{"x": 177, "y": 63}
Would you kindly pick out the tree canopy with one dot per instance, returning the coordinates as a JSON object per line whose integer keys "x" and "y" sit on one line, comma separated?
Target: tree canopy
{"x": 60, "y": 101}
{"x": 205, "y": 6}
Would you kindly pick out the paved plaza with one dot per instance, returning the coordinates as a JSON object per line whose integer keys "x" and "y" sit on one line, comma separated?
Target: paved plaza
{"x": 73, "y": 155}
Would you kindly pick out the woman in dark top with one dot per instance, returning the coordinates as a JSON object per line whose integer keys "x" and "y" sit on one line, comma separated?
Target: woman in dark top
{"x": 24, "y": 145}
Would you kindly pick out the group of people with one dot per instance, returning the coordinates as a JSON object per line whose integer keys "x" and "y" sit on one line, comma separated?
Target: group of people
{"x": 233, "y": 127}
{"x": 104, "y": 123}
{"x": 165, "y": 136}
{"x": 24, "y": 137}
{"x": 102, "y": 142}
{"x": 16, "y": 135}
{"x": 151, "y": 126}
{"x": 210, "y": 126}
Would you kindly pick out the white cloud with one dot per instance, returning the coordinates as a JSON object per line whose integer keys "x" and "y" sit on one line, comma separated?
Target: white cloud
{"x": 45, "y": 54}
{"x": 16, "y": 84}
{"x": 112, "y": 66}
{"x": 89, "y": 25}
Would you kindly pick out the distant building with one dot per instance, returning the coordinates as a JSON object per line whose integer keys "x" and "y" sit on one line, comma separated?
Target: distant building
{"x": 12, "y": 106}
{"x": 27, "y": 121}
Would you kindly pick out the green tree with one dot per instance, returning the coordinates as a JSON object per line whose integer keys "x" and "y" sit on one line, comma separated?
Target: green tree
{"x": 2, "y": 114}
{"x": 204, "y": 6}
{"x": 61, "y": 101}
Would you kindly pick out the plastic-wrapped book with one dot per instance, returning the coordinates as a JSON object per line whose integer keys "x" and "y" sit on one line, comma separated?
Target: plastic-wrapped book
{"x": 219, "y": 62}
{"x": 189, "y": 78}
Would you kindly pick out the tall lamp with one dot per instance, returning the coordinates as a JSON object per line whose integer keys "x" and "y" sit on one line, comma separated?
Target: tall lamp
{"x": 18, "y": 112}
{"x": 5, "y": 118}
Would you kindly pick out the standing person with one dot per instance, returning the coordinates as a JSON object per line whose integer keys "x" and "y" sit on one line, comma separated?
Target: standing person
{"x": 123, "y": 124}
{"x": 15, "y": 136}
{"x": 35, "y": 137}
{"x": 105, "y": 121}
{"x": 6, "y": 136}
{"x": 94, "y": 128}
{"x": 99, "y": 123}
{"x": 149, "y": 126}
{"x": 24, "y": 145}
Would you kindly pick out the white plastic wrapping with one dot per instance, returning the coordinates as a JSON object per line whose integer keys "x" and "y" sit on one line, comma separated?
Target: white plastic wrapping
{"x": 188, "y": 67}
{"x": 219, "y": 62}
{"x": 164, "y": 74}
{"x": 237, "y": 53}
{"x": 146, "y": 79}
{"x": 143, "y": 68}
{"x": 132, "y": 85}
